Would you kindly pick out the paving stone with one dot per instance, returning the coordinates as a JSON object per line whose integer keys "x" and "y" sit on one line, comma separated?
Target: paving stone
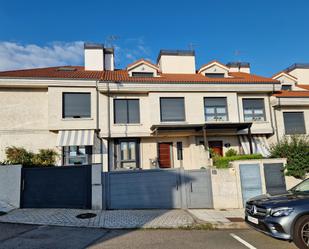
{"x": 104, "y": 219}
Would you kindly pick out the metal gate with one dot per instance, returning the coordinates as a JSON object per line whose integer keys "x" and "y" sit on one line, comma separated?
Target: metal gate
{"x": 56, "y": 187}
{"x": 250, "y": 177}
{"x": 157, "y": 188}
{"x": 274, "y": 178}
{"x": 143, "y": 189}
{"x": 198, "y": 189}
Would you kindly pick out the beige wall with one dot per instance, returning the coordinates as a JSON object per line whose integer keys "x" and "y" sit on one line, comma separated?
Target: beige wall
{"x": 55, "y": 120}
{"x": 302, "y": 75}
{"x": 150, "y": 111}
{"x": 194, "y": 154}
{"x": 177, "y": 64}
{"x": 194, "y": 111}
{"x": 23, "y": 109}
{"x": 24, "y": 120}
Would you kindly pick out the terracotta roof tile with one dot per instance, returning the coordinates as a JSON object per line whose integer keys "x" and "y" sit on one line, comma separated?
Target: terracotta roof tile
{"x": 291, "y": 94}
{"x": 78, "y": 72}
{"x": 122, "y": 76}
{"x": 303, "y": 86}
{"x": 65, "y": 72}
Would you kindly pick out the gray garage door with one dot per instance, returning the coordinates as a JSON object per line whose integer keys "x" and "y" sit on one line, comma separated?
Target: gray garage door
{"x": 198, "y": 187}
{"x": 250, "y": 177}
{"x": 274, "y": 178}
{"x": 56, "y": 187}
{"x": 142, "y": 189}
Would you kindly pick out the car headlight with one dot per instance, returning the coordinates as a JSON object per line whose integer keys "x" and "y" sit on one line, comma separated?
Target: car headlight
{"x": 280, "y": 212}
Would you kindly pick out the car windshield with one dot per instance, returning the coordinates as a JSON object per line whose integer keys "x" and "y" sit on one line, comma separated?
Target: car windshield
{"x": 303, "y": 187}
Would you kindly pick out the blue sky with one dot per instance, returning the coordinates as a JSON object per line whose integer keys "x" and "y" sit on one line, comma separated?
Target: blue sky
{"x": 270, "y": 35}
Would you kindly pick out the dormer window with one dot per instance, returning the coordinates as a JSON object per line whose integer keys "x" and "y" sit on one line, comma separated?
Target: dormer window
{"x": 142, "y": 69}
{"x": 142, "y": 74}
{"x": 214, "y": 69}
{"x": 214, "y": 75}
{"x": 286, "y": 87}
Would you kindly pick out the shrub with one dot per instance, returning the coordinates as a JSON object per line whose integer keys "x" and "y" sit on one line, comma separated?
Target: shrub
{"x": 45, "y": 157}
{"x": 231, "y": 152}
{"x": 296, "y": 150}
{"x": 223, "y": 162}
{"x": 19, "y": 155}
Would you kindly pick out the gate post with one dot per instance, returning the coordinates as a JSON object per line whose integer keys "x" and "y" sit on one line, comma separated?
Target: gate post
{"x": 183, "y": 192}
{"x": 96, "y": 186}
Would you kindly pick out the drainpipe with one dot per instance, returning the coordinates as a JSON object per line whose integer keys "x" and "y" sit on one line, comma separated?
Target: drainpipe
{"x": 108, "y": 125}
{"x": 275, "y": 116}
{"x": 276, "y": 122}
{"x": 98, "y": 122}
{"x": 271, "y": 116}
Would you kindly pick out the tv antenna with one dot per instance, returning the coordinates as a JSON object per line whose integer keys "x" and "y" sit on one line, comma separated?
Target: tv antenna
{"x": 192, "y": 45}
{"x": 238, "y": 53}
{"x": 110, "y": 40}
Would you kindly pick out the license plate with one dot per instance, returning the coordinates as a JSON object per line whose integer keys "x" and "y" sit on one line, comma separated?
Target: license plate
{"x": 253, "y": 220}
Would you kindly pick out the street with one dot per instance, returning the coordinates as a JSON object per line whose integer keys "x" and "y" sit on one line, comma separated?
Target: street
{"x": 52, "y": 237}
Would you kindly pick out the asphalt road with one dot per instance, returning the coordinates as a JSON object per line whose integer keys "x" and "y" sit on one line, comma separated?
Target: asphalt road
{"x": 48, "y": 237}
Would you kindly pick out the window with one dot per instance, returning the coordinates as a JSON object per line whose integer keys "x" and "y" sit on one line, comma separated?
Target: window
{"x": 179, "y": 151}
{"x": 253, "y": 109}
{"x": 76, "y": 105}
{"x": 294, "y": 123}
{"x": 142, "y": 74}
{"x": 172, "y": 109}
{"x": 286, "y": 87}
{"x": 126, "y": 111}
{"x": 127, "y": 153}
{"x": 215, "y": 109}
{"x": 77, "y": 155}
{"x": 214, "y": 75}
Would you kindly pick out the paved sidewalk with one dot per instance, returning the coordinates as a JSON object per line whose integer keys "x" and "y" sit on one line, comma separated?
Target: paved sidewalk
{"x": 112, "y": 219}
{"x": 5, "y": 207}
{"x": 230, "y": 218}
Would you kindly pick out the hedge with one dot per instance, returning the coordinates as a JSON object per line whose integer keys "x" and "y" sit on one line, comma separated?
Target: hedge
{"x": 223, "y": 162}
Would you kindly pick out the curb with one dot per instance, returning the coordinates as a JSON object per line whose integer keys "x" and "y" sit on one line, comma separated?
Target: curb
{"x": 231, "y": 225}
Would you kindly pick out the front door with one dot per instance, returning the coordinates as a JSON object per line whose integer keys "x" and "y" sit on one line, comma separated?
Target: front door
{"x": 165, "y": 155}
{"x": 216, "y": 146}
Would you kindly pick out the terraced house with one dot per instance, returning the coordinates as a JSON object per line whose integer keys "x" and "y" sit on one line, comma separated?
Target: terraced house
{"x": 163, "y": 115}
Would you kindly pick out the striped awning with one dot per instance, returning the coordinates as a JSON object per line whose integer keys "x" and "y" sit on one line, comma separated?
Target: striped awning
{"x": 259, "y": 144}
{"x": 75, "y": 137}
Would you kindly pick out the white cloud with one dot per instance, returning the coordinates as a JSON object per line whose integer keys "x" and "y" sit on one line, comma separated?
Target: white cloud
{"x": 18, "y": 56}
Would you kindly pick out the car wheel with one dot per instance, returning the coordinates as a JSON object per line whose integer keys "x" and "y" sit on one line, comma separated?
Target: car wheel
{"x": 301, "y": 232}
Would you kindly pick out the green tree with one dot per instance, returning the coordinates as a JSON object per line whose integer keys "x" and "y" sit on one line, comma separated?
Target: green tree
{"x": 296, "y": 149}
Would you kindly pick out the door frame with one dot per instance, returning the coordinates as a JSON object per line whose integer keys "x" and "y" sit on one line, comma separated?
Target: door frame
{"x": 171, "y": 153}
{"x": 216, "y": 141}
{"x": 116, "y": 152}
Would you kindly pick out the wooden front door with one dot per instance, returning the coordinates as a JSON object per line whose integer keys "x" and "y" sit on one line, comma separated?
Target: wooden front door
{"x": 216, "y": 146}
{"x": 165, "y": 155}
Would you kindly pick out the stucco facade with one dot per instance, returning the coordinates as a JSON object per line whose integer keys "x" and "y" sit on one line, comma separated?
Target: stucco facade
{"x": 32, "y": 111}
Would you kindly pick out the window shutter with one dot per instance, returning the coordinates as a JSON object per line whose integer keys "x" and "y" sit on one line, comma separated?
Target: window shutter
{"x": 172, "y": 109}
{"x": 76, "y": 105}
{"x": 120, "y": 111}
{"x": 294, "y": 123}
{"x": 133, "y": 111}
